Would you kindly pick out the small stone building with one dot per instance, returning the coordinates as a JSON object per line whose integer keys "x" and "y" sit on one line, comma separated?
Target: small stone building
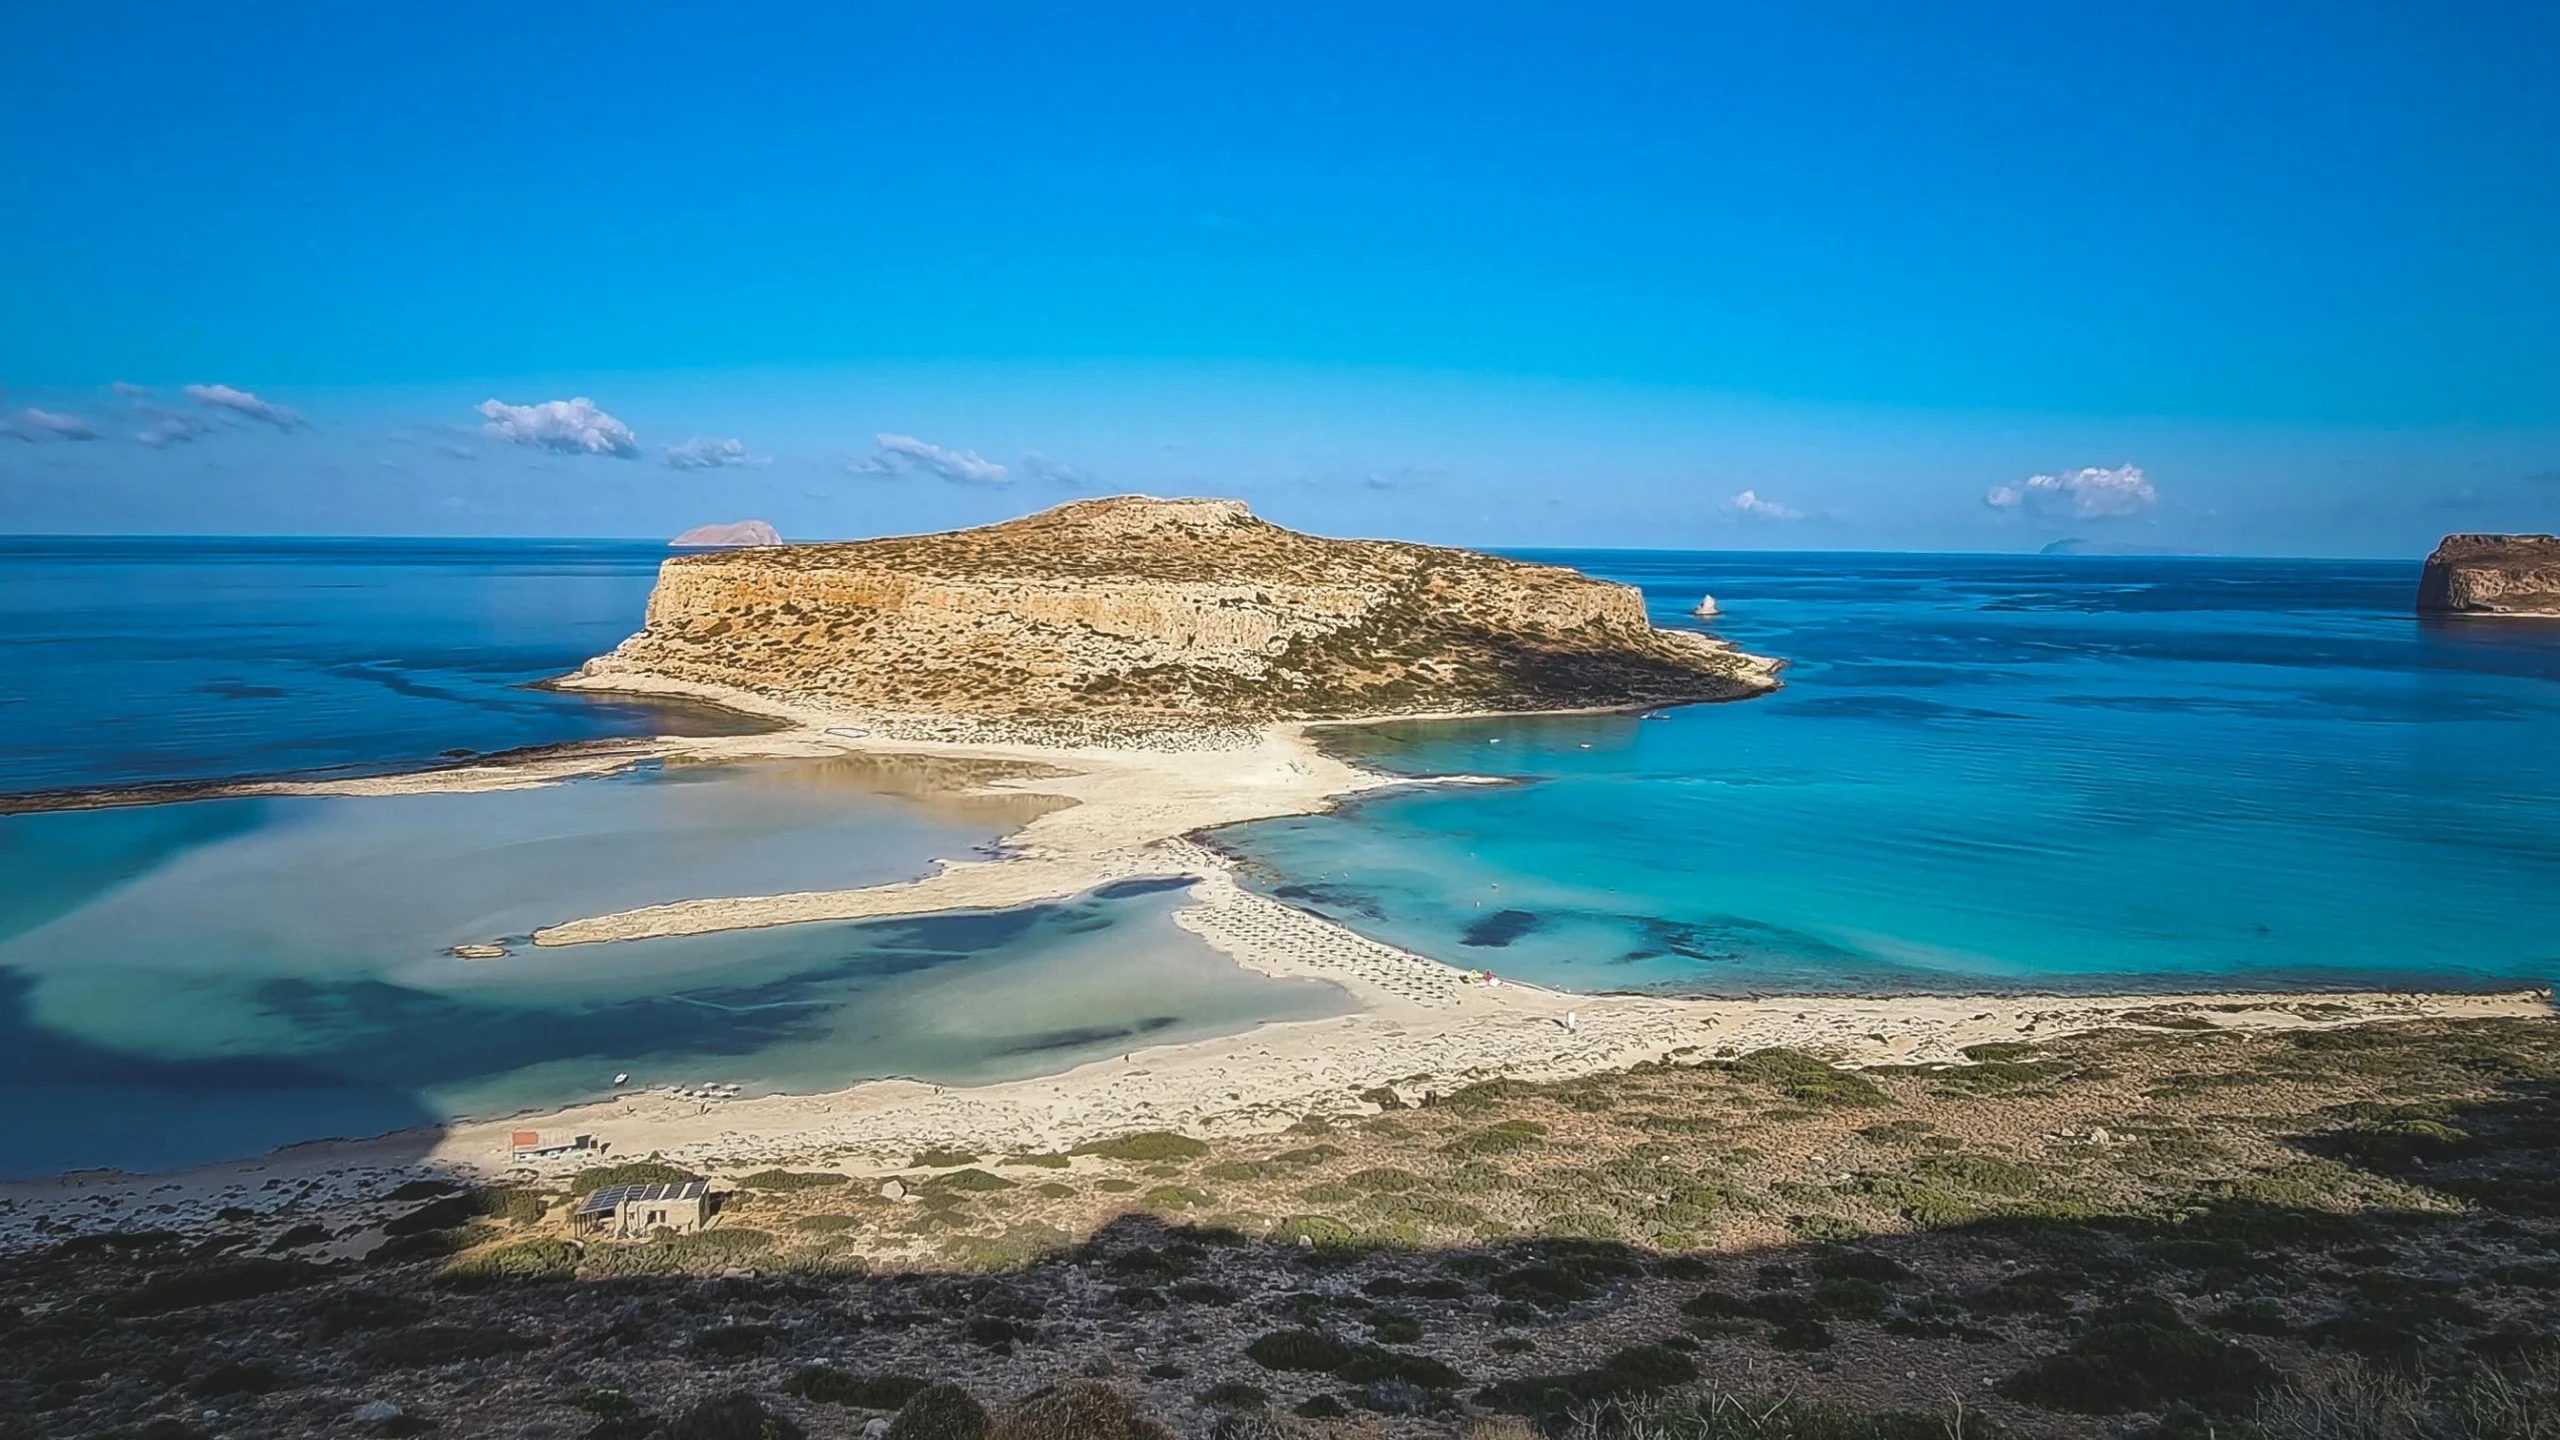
{"x": 635, "y": 1212}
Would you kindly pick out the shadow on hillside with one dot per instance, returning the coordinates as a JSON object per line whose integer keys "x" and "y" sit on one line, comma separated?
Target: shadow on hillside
{"x": 2179, "y": 1320}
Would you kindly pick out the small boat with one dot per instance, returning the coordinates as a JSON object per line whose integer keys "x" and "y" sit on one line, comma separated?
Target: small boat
{"x": 622, "y": 1077}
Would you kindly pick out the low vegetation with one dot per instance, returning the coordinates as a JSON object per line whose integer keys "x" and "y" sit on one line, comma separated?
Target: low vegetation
{"x": 2318, "y": 1235}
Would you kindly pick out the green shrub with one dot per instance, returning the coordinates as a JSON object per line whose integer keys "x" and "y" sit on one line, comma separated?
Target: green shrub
{"x": 677, "y": 1254}
{"x": 1245, "y": 1170}
{"x": 525, "y": 1260}
{"x": 1508, "y": 1137}
{"x": 1860, "y": 1265}
{"x": 1372, "y": 1363}
{"x": 1081, "y": 1410}
{"x": 630, "y": 1172}
{"x": 2141, "y": 1356}
{"x": 1145, "y": 1147}
{"x": 794, "y": 1180}
{"x": 826, "y": 1385}
{"x": 1383, "y": 1178}
{"x": 1235, "y": 1395}
{"x": 965, "y": 1182}
{"x": 298, "y": 1237}
{"x": 1045, "y": 1162}
{"x": 1308, "y": 1155}
{"x": 940, "y": 1412}
{"x": 1548, "y": 1287}
{"x": 212, "y": 1284}
{"x": 1321, "y": 1407}
{"x": 1635, "y": 1370}
{"x": 511, "y": 1203}
{"x": 1802, "y": 1078}
{"x": 825, "y": 1224}
{"x": 1394, "y": 1327}
{"x": 1300, "y": 1350}
{"x": 1176, "y": 1197}
{"x": 734, "y": 1416}
{"x": 942, "y": 1159}
{"x": 1320, "y": 1231}
{"x": 427, "y": 1345}
{"x": 1983, "y": 1174}
{"x": 1015, "y": 1248}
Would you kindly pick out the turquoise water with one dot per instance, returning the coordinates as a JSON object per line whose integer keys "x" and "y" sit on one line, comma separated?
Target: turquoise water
{"x": 1984, "y": 773}
{"x": 1991, "y": 773}
{"x": 200, "y": 981}
{"x": 187, "y": 983}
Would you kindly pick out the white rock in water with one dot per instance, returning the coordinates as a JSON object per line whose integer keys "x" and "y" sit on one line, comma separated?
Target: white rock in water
{"x": 374, "y": 1412}
{"x": 736, "y": 532}
{"x": 874, "y": 1428}
{"x": 1706, "y": 607}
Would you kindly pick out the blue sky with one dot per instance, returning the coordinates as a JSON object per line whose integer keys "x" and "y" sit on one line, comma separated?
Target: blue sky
{"x": 2268, "y": 277}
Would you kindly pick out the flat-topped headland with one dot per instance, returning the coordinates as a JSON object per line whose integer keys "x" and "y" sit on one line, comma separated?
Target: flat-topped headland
{"x": 2492, "y": 575}
{"x": 1137, "y": 611}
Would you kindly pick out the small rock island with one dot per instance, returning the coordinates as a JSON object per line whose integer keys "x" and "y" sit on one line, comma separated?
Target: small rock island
{"x": 2492, "y": 575}
{"x": 1132, "y": 608}
{"x": 733, "y": 534}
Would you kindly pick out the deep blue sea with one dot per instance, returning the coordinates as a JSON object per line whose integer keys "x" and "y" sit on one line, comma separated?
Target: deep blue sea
{"x": 1991, "y": 772}
{"x": 129, "y": 661}
{"x": 1984, "y": 772}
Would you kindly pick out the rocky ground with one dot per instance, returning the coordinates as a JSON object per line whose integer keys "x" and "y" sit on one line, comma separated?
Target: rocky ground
{"x": 1099, "y": 621}
{"x": 2337, "y": 1232}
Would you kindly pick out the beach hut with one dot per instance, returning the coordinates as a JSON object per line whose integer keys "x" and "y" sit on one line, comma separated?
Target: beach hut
{"x": 545, "y": 1144}
{"x": 631, "y": 1212}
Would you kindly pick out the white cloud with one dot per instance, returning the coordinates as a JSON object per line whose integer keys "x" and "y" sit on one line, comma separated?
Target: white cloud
{"x": 58, "y": 425}
{"x": 1056, "y": 472}
{"x": 168, "y": 427}
{"x": 129, "y": 390}
{"x": 1749, "y": 504}
{"x": 241, "y": 402}
{"x": 2085, "y": 494}
{"x": 569, "y": 427}
{"x": 907, "y": 455}
{"x": 704, "y": 453}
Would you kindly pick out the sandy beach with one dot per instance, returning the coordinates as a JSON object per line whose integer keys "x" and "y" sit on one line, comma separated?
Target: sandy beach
{"x": 1419, "y": 1026}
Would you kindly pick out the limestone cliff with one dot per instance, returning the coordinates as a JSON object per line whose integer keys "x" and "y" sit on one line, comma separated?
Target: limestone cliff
{"x": 2492, "y": 575}
{"x": 1174, "y": 609}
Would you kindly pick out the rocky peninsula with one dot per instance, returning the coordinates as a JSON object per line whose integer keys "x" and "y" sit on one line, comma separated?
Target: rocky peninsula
{"x": 1138, "y": 611}
{"x": 2492, "y": 575}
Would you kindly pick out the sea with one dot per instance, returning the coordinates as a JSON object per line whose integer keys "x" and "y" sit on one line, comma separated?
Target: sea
{"x": 1990, "y": 773}
{"x": 1984, "y": 773}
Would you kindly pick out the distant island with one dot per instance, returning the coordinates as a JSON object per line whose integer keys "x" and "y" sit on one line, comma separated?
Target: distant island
{"x": 735, "y": 533}
{"x": 1133, "y": 608}
{"x": 2078, "y": 546}
{"x": 2492, "y": 575}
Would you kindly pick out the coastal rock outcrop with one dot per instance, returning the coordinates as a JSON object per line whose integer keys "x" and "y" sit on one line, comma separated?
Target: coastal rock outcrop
{"x": 2492, "y": 575}
{"x": 735, "y": 533}
{"x": 1135, "y": 607}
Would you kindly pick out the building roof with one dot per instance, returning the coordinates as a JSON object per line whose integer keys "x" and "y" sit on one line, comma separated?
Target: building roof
{"x": 613, "y": 1197}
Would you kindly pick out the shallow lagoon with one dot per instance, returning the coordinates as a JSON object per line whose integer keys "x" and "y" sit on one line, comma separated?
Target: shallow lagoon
{"x": 194, "y": 982}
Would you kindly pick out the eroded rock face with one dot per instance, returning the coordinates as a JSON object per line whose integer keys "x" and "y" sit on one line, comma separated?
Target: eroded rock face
{"x": 2492, "y": 575}
{"x": 1175, "y": 608}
